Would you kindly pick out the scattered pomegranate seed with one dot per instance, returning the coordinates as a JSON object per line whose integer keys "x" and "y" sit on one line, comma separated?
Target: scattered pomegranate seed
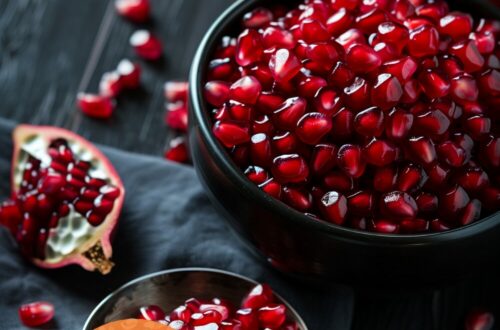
{"x": 178, "y": 151}
{"x": 135, "y": 10}
{"x": 130, "y": 73}
{"x": 372, "y": 104}
{"x": 110, "y": 85}
{"x": 146, "y": 45}
{"x": 95, "y": 106}
{"x": 151, "y": 313}
{"x": 176, "y": 116}
{"x": 36, "y": 314}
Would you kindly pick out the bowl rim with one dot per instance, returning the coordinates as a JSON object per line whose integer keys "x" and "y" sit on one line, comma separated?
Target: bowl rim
{"x": 142, "y": 278}
{"x": 199, "y": 111}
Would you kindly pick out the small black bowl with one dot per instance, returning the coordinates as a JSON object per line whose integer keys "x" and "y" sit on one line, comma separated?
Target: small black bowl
{"x": 298, "y": 245}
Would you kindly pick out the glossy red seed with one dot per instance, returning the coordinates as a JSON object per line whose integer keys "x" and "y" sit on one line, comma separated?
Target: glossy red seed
{"x": 290, "y": 168}
{"x": 259, "y": 296}
{"x": 248, "y": 318}
{"x": 384, "y": 179}
{"x": 369, "y": 122}
{"x": 424, "y": 41}
{"x": 130, "y": 75}
{"x": 456, "y": 25}
{"x": 403, "y": 68}
{"x": 347, "y": 4}
{"x": 178, "y": 151}
{"x": 151, "y": 313}
{"x": 275, "y": 37}
{"x": 309, "y": 86}
{"x": 350, "y": 160}
{"x": 272, "y": 316}
{"x": 385, "y": 226}
{"x": 36, "y": 314}
{"x": 432, "y": 122}
{"x": 272, "y": 188}
{"x": 411, "y": 226}
{"x": 339, "y": 22}
{"x": 451, "y": 154}
{"x": 485, "y": 42}
{"x": 360, "y": 203}
{"x": 361, "y": 59}
{"x": 398, "y": 124}
{"x": 284, "y": 65}
{"x": 333, "y": 206}
{"x": 230, "y": 134}
{"x": 257, "y": 18}
{"x": 146, "y": 45}
{"x": 350, "y": 38}
{"x": 312, "y": 127}
{"x": 386, "y": 92}
{"x": 110, "y": 84}
{"x": 398, "y": 205}
{"x": 422, "y": 149}
{"x": 220, "y": 69}
{"x": 338, "y": 181}
{"x": 323, "y": 159}
{"x": 289, "y": 113}
{"x": 312, "y": 30}
{"x": 479, "y": 319}
{"x": 453, "y": 200}
{"x": 260, "y": 149}
{"x": 427, "y": 202}
{"x": 478, "y": 126}
{"x": 341, "y": 76}
{"x": 216, "y": 92}
{"x": 380, "y": 152}
{"x": 245, "y": 90}
{"x": 470, "y": 213}
{"x": 299, "y": 199}
{"x": 182, "y": 313}
{"x": 268, "y": 102}
{"x": 490, "y": 152}
{"x": 469, "y": 55}
{"x": 176, "y": 116}
{"x": 410, "y": 178}
{"x": 249, "y": 49}
{"x": 357, "y": 95}
{"x": 489, "y": 83}
{"x": 370, "y": 20}
{"x": 95, "y": 106}
{"x": 463, "y": 89}
{"x": 256, "y": 174}
{"x": 204, "y": 318}
{"x": 433, "y": 84}
{"x": 135, "y": 10}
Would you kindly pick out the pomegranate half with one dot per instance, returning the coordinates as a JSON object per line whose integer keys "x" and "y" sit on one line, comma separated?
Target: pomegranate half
{"x": 65, "y": 201}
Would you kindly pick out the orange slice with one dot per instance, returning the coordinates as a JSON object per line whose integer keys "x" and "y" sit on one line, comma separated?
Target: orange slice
{"x": 134, "y": 324}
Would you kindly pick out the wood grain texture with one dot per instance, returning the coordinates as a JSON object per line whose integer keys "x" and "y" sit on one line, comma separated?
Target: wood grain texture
{"x": 51, "y": 49}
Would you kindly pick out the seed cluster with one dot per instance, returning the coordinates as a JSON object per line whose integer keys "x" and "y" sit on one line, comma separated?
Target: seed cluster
{"x": 379, "y": 115}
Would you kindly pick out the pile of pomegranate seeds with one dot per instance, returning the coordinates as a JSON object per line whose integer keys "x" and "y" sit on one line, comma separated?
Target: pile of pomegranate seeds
{"x": 378, "y": 115}
{"x": 126, "y": 76}
{"x": 176, "y": 118}
{"x": 36, "y": 314}
{"x": 258, "y": 310}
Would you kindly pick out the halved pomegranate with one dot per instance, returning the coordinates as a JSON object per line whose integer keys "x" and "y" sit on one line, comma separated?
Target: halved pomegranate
{"x": 65, "y": 201}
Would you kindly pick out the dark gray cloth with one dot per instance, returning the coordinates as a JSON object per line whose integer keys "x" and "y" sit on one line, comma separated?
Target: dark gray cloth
{"x": 167, "y": 222}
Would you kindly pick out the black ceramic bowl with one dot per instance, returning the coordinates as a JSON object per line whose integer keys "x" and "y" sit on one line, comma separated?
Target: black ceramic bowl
{"x": 296, "y": 244}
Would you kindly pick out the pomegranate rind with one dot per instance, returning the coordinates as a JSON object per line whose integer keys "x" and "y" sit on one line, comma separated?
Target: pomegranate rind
{"x": 100, "y": 243}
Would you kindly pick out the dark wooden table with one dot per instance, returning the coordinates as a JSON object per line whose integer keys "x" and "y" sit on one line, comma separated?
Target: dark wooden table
{"x": 51, "y": 49}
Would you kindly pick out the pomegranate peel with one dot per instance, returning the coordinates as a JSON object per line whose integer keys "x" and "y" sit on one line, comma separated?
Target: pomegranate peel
{"x": 69, "y": 197}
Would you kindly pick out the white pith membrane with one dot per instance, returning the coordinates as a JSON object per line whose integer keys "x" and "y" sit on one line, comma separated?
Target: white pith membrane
{"x": 73, "y": 235}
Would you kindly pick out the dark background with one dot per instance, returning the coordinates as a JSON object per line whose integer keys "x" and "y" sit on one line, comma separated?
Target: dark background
{"x": 51, "y": 49}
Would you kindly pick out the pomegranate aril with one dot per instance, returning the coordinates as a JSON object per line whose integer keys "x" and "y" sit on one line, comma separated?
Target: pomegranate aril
{"x": 427, "y": 203}
{"x": 490, "y": 152}
{"x": 313, "y": 31}
{"x": 130, "y": 74}
{"x": 272, "y": 188}
{"x": 398, "y": 124}
{"x": 347, "y": 4}
{"x": 463, "y": 89}
{"x": 177, "y": 151}
{"x": 350, "y": 160}
{"x": 204, "y": 318}
{"x": 385, "y": 226}
{"x": 257, "y": 18}
{"x": 299, "y": 199}
{"x": 478, "y": 127}
{"x": 453, "y": 200}
{"x": 485, "y": 42}
{"x": 146, "y": 45}
{"x": 433, "y": 84}
{"x": 312, "y": 127}
{"x": 36, "y": 313}
{"x": 360, "y": 203}
{"x": 289, "y": 113}
{"x": 323, "y": 159}
{"x": 470, "y": 213}
{"x": 176, "y": 116}
{"x": 489, "y": 83}
{"x": 248, "y": 318}
{"x": 341, "y": 75}
{"x": 369, "y": 122}
{"x": 469, "y": 55}
{"x": 110, "y": 84}
{"x": 398, "y": 205}
{"x": 95, "y": 106}
{"x": 403, "y": 68}
{"x": 339, "y": 181}
{"x": 424, "y": 41}
{"x": 361, "y": 59}
{"x": 216, "y": 92}
{"x": 246, "y": 90}
{"x": 456, "y": 25}
{"x": 380, "y": 152}
{"x": 176, "y": 91}
{"x": 357, "y": 95}
{"x": 310, "y": 86}
{"x": 135, "y": 10}
{"x": 290, "y": 168}
{"x": 369, "y": 21}
{"x": 272, "y": 316}
{"x": 220, "y": 69}
{"x": 277, "y": 37}
{"x": 151, "y": 313}
{"x": 284, "y": 65}
{"x": 411, "y": 178}
{"x": 339, "y": 22}
{"x": 386, "y": 92}
{"x": 333, "y": 206}
{"x": 433, "y": 10}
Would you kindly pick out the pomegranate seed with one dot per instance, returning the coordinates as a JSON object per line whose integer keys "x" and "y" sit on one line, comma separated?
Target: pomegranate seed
{"x": 485, "y": 42}
{"x": 478, "y": 126}
{"x": 248, "y": 318}
{"x": 130, "y": 74}
{"x": 36, "y": 314}
{"x": 380, "y": 152}
{"x": 398, "y": 205}
{"x": 413, "y": 226}
{"x": 433, "y": 122}
{"x": 284, "y": 65}
{"x": 451, "y": 154}
{"x": 95, "y": 106}
{"x": 324, "y": 158}
{"x": 207, "y": 317}
{"x": 432, "y": 10}
{"x": 258, "y": 297}
{"x": 433, "y": 84}
{"x": 470, "y": 213}
{"x": 489, "y": 82}
{"x": 299, "y": 199}
{"x": 357, "y": 95}
{"x": 410, "y": 178}
{"x": 110, "y": 84}
{"x": 246, "y": 90}
{"x": 257, "y": 18}
{"x": 216, "y": 92}
{"x": 387, "y": 91}
{"x": 151, "y": 313}
{"x": 275, "y": 37}
{"x": 427, "y": 203}
{"x": 361, "y": 59}
{"x": 403, "y": 68}
{"x": 490, "y": 198}
{"x": 309, "y": 86}
{"x": 385, "y": 226}
{"x": 176, "y": 116}
{"x": 272, "y": 316}
{"x": 347, "y": 4}
{"x": 422, "y": 149}
{"x": 385, "y": 179}
{"x": 456, "y": 25}
{"x": 272, "y": 188}
{"x": 289, "y": 113}
{"x": 268, "y": 102}
{"x": 360, "y": 203}
{"x": 260, "y": 149}
{"x": 369, "y": 122}
{"x": 490, "y": 152}
{"x": 350, "y": 160}
{"x": 181, "y": 313}
{"x": 333, "y": 205}
{"x": 312, "y": 127}
{"x": 463, "y": 89}
{"x": 220, "y": 69}
{"x": 341, "y": 76}
{"x": 146, "y": 45}
{"x": 178, "y": 151}
{"x": 424, "y": 41}
{"x": 479, "y": 320}
{"x": 249, "y": 49}
{"x": 256, "y": 174}
{"x": 313, "y": 31}
{"x": 230, "y": 134}
{"x": 339, "y": 181}
{"x": 176, "y": 91}
{"x": 339, "y": 22}
{"x": 453, "y": 200}
{"x": 290, "y": 168}
{"x": 135, "y": 10}
{"x": 469, "y": 55}
{"x": 369, "y": 21}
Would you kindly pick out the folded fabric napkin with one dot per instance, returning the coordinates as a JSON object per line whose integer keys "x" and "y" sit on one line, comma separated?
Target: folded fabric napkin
{"x": 167, "y": 222}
